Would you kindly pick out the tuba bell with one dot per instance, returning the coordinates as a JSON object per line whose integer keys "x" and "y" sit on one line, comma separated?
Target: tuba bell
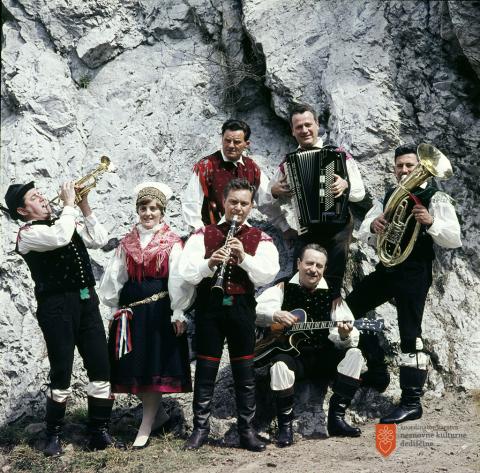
{"x": 396, "y": 243}
{"x": 89, "y": 181}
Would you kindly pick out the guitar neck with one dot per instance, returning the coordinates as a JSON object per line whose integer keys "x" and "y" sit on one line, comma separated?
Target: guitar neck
{"x": 302, "y": 326}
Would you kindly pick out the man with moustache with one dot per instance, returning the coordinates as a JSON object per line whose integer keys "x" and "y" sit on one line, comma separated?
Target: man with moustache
{"x": 328, "y": 355}
{"x": 252, "y": 262}
{"x": 408, "y": 282}
{"x": 202, "y": 201}
{"x": 55, "y": 251}
{"x": 334, "y": 237}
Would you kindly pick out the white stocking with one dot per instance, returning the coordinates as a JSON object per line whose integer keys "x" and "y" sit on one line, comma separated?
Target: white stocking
{"x": 150, "y": 403}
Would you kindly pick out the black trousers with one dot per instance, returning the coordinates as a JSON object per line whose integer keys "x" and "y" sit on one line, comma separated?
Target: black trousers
{"x": 407, "y": 283}
{"x": 335, "y": 238}
{"x": 68, "y": 322}
{"x": 235, "y": 323}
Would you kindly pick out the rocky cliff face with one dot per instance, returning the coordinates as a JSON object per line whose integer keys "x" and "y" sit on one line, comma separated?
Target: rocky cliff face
{"x": 150, "y": 83}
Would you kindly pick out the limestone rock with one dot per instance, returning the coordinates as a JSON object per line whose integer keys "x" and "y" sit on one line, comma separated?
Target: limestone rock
{"x": 149, "y": 85}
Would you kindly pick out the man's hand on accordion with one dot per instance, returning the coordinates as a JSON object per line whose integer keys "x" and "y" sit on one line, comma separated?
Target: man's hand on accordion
{"x": 339, "y": 186}
{"x": 281, "y": 188}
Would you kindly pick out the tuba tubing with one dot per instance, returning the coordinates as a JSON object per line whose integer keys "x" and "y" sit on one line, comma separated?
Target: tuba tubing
{"x": 432, "y": 163}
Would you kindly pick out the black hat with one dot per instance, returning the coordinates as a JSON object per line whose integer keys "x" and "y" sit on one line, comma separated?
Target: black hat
{"x": 14, "y": 197}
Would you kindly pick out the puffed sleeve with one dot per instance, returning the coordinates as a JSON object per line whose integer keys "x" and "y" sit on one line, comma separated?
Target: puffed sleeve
{"x": 193, "y": 267}
{"x": 113, "y": 279}
{"x": 445, "y": 229}
{"x": 342, "y": 313}
{"x": 364, "y": 233}
{"x": 93, "y": 233}
{"x": 357, "y": 189}
{"x": 268, "y": 302}
{"x": 181, "y": 292}
{"x": 264, "y": 265}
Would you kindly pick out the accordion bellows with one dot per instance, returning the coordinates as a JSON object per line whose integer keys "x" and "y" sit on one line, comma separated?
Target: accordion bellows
{"x": 310, "y": 175}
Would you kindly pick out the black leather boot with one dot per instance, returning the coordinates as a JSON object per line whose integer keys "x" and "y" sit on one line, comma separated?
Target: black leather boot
{"x": 377, "y": 376}
{"x": 244, "y": 380}
{"x": 344, "y": 389}
{"x": 99, "y": 412}
{"x": 285, "y": 418}
{"x": 410, "y": 408}
{"x": 54, "y": 418}
{"x": 205, "y": 375}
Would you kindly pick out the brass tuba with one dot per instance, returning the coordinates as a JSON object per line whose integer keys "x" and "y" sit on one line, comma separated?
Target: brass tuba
{"x": 89, "y": 181}
{"x": 394, "y": 245}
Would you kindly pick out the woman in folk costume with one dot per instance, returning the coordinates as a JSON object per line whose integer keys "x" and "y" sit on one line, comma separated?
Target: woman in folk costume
{"x": 147, "y": 346}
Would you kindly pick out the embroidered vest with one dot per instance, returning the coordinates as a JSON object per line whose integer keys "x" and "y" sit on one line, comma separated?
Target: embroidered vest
{"x": 62, "y": 269}
{"x": 214, "y": 174}
{"x": 236, "y": 279}
{"x": 316, "y": 304}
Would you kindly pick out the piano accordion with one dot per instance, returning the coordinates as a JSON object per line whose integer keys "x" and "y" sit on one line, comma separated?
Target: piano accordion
{"x": 310, "y": 175}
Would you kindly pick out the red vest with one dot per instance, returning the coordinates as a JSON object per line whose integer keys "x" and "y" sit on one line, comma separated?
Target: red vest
{"x": 236, "y": 279}
{"x": 214, "y": 174}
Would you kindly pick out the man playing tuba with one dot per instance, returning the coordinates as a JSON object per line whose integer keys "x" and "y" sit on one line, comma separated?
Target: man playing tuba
{"x": 408, "y": 281}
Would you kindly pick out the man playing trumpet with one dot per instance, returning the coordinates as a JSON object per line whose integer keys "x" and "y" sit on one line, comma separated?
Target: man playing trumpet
{"x": 252, "y": 261}
{"x": 55, "y": 251}
{"x": 409, "y": 281}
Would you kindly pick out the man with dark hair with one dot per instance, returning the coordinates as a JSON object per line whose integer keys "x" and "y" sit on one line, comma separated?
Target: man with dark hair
{"x": 202, "y": 201}
{"x": 328, "y": 355}
{"x": 55, "y": 251}
{"x": 252, "y": 261}
{"x": 334, "y": 237}
{"x": 408, "y": 282}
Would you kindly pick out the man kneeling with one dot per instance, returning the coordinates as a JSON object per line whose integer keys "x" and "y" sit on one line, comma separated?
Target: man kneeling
{"x": 325, "y": 355}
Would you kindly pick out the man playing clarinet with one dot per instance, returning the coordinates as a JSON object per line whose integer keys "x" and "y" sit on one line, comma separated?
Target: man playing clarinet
{"x": 251, "y": 260}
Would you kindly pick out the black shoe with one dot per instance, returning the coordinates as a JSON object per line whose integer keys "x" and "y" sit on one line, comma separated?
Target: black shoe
{"x": 244, "y": 381}
{"x": 285, "y": 417}
{"x": 344, "y": 389}
{"x": 196, "y": 440}
{"x": 54, "y": 415}
{"x": 402, "y": 413}
{"x": 250, "y": 441}
{"x": 410, "y": 408}
{"x": 336, "y": 425}
{"x": 99, "y": 412}
{"x": 53, "y": 448}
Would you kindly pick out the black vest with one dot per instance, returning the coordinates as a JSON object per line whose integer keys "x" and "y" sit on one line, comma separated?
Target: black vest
{"x": 316, "y": 304}
{"x": 62, "y": 269}
{"x": 423, "y": 247}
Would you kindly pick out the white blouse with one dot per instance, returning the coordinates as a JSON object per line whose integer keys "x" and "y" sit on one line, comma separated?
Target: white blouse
{"x": 181, "y": 292}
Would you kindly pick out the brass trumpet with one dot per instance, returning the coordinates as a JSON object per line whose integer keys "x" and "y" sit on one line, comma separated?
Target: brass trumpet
{"x": 395, "y": 244}
{"x": 88, "y": 182}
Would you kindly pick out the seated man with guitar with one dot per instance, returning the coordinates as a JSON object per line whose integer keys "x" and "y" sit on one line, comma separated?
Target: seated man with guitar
{"x": 298, "y": 349}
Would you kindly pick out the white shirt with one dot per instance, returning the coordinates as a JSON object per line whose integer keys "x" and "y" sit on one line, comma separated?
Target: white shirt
{"x": 445, "y": 230}
{"x": 192, "y": 200}
{"x": 288, "y": 220}
{"x": 43, "y": 238}
{"x": 261, "y": 267}
{"x": 271, "y": 300}
{"x": 181, "y": 293}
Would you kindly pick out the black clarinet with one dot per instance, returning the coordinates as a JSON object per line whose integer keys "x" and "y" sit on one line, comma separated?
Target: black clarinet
{"x": 219, "y": 282}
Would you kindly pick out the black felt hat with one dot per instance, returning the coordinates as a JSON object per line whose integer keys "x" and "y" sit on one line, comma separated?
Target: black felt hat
{"x": 14, "y": 198}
